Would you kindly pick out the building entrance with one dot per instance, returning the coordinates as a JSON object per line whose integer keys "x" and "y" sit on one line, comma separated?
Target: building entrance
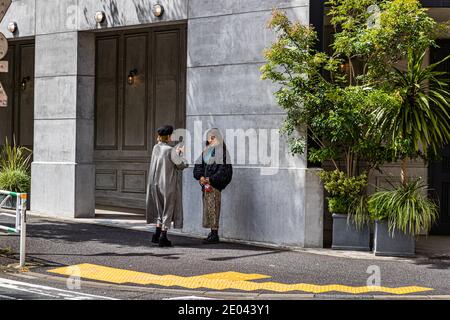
{"x": 17, "y": 118}
{"x": 440, "y": 170}
{"x": 140, "y": 85}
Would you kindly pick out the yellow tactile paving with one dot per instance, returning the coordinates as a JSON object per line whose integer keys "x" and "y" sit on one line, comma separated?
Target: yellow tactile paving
{"x": 234, "y": 276}
{"x": 217, "y": 281}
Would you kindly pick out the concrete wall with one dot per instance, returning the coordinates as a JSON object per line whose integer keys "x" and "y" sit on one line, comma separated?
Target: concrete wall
{"x": 225, "y": 51}
{"x": 226, "y": 40}
{"x": 23, "y": 13}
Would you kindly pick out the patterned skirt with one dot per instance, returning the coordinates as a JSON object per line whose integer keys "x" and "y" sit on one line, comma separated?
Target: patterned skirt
{"x": 211, "y": 209}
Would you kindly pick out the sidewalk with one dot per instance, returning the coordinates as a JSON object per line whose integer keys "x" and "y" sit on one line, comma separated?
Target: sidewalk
{"x": 120, "y": 257}
{"x": 426, "y": 247}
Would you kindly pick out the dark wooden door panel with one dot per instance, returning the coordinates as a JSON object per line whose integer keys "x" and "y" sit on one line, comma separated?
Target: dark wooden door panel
{"x": 445, "y": 203}
{"x": 167, "y": 82}
{"x": 136, "y": 104}
{"x": 121, "y": 184}
{"x": 440, "y": 184}
{"x": 26, "y": 96}
{"x": 127, "y": 114}
{"x": 7, "y": 113}
{"x": 17, "y": 119}
{"x": 106, "y": 113}
{"x": 440, "y": 170}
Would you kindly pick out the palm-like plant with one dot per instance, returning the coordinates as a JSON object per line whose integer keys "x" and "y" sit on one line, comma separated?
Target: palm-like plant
{"x": 406, "y": 208}
{"x": 418, "y": 126}
{"x": 14, "y": 157}
{"x": 15, "y": 167}
{"x": 421, "y": 123}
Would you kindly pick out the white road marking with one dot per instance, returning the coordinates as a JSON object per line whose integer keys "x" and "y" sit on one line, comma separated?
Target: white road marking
{"x": 25, "y": 276}
{"x": 48, "y": 291}
{"x": 188, "y": 298}
{"x": 2, "y": 297}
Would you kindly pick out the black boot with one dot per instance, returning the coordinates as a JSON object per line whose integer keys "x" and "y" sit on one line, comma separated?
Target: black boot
{"x": 213, "y": 238}
{"x": 208, "y": 237}
{"x": 163, "y": 241}
{"x": 157, "y": 235}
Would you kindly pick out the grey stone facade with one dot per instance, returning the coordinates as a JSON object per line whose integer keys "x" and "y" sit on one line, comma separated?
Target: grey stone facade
{"x": 226, "y": 40}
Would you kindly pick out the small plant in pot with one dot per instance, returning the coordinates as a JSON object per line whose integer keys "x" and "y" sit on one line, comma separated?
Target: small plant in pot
{"x": 346, "y": 202}
{"x": 14, "y": 171}
{"x": 400, "y": 215}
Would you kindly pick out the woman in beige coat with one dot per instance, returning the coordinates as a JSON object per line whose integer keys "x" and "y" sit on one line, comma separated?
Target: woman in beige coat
{"x": 164, "y": 203}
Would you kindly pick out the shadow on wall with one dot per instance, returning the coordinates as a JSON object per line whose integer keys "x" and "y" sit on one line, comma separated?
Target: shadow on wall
{"x": 112, "y": 13}
{"x": 143, "y": 10}
{"x": 120, "y": 12}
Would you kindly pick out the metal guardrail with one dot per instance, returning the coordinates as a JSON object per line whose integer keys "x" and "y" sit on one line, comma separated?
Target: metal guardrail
{"x": 20, "y": 219}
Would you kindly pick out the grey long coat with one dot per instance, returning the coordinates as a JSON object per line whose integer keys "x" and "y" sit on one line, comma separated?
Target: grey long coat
{"x": 164, "y": 203}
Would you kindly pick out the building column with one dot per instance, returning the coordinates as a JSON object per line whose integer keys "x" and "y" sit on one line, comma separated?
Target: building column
{"x": 63, "y": 171}
{"x": 278, "y": 201}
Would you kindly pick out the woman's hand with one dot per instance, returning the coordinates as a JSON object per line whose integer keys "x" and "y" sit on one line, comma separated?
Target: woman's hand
{"x": 204, "y": 181}
{"x": 180, "y": 150}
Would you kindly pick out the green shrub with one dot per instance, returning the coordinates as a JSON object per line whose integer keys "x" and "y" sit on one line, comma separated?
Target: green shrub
{"x": 14, "y": 157}
{"x": 343, "y": 191}
{"x": 15, "y": 180}
{"x": 337, "y": 205}
{"x": 406, "y": 208}
{"x": 15, "y": 168}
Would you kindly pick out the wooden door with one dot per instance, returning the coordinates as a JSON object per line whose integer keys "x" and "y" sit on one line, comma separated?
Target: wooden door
{"x": 440, "y": 182}
{"x": 440, "y": 170}
{"x": 17, "y": 119}
{"x": 128, "y": 113}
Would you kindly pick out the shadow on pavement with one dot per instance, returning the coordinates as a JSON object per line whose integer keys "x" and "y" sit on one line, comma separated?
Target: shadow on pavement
{"x": 81, "y": 232}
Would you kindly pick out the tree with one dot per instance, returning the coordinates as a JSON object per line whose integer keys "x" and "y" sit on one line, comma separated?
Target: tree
{"x": 353, "y": 102}
{"x": 341, "y": 110}
{"x": 317, "y": 97}
{"x": 377, "y": 34}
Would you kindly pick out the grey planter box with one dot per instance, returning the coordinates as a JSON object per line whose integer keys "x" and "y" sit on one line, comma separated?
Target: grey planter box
{"x": 400, "y": 245}
{"x": 348, "y": 237}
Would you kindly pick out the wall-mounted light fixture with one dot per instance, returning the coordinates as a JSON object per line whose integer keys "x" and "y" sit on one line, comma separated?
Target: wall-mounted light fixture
{"x": 24, "y": 83}
{"x": 345, "y": 67}
{"x": 12, "y": 27}
{"x": 132, "y": 76}
{"x": 100, "y": 17}
{"x": 158, "y": 10}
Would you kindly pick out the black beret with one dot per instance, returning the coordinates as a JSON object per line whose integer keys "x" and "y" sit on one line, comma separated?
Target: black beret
{"x": 165, "y": 130}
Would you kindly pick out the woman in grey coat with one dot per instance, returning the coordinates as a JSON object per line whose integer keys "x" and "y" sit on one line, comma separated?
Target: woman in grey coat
{"x": 164, "y": 203}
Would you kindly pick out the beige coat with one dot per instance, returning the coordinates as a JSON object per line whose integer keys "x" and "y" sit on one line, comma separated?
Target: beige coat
{"x": 164, "y": 202}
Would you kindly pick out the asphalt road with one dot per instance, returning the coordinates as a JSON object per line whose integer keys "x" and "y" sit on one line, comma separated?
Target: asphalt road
{"x": 24, "y": 290}
{"x": 53, "y": 244}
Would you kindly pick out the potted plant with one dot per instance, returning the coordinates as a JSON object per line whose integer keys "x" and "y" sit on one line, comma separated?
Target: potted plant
{"x": 400, "y": 215}
{"x": 334, "y": 100}
{"x": 416, "y": 128}
{"x": 350, "y": 232}
{"x": 14, "y": 171}
{"x": 320, "y": 98}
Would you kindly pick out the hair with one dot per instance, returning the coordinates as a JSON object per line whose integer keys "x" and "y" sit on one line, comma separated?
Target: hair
{"x": 163, "y": 138}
